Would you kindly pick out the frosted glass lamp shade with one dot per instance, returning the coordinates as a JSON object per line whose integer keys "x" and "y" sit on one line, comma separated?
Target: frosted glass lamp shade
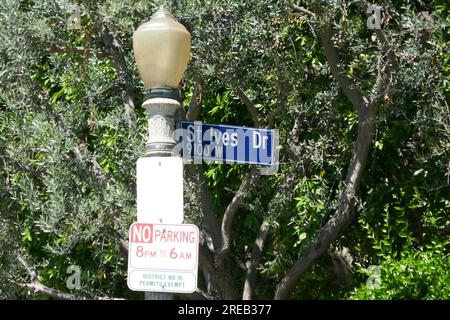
{"x": 161, "y": 48}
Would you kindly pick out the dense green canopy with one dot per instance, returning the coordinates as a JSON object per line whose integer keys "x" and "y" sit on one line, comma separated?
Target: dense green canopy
{"x": 360, "y": 206}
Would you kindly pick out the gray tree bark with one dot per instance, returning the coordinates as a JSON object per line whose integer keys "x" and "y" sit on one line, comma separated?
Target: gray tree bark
{"x": 366, "y": 108}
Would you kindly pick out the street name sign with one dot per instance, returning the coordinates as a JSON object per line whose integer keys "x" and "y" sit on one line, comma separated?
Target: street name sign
{"x": 163, "y": 257}
{"x": 224, "y": 143}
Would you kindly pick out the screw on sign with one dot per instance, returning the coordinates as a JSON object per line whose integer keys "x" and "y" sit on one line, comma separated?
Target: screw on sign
{"x": 163, "y": 257}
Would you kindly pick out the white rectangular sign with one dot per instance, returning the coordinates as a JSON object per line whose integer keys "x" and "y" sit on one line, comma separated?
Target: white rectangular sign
{"x": 163, "y": 257}
{"x": 159, "y": 190}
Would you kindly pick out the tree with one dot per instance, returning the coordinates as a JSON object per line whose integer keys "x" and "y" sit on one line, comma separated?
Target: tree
{"x": 363, "y": 120}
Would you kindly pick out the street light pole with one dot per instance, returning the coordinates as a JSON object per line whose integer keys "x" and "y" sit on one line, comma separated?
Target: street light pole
{"x": 161, "y": 124}
{"x": 161, "y": 48}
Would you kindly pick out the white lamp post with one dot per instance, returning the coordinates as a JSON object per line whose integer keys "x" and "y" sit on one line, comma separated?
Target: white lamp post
{"x": 161, "y": 48}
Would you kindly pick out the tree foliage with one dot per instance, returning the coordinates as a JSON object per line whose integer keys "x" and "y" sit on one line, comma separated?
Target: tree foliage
{"x": 72, "y": 128}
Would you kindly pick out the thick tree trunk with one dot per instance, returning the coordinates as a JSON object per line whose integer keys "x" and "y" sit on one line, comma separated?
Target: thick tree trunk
{"x": 366, "y": 108}
{"x": 253, "y": 263}
{"x": 340, "y": 219}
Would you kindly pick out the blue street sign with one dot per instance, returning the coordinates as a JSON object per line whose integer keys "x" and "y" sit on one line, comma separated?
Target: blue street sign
{"x": 229, "y": 144}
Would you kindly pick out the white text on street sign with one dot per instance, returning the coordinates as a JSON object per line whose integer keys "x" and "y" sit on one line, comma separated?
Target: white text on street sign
{"x": 229, "y": 144}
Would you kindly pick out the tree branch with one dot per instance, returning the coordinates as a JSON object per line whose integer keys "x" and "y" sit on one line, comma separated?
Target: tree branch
{"x": 347, "y": 85}
{"x": 113, "y": 47}
{"x": 27, "y": 266}
{"x": 197, "y": 295}
{"x": 273, "y": 115}
{"x": 283, "y": 195}
{"x": 97, "y": 170}
{"x": 80, "y": 146}
{"x": 122, "y": 243}
{"x": 250, "y": 107}
{"x": 293, "y": 140}
{"x": 367, "y": 110}
{"x": 253, "y": 263}
{"x": 206, "y": 258}
{"x": 36, "y": 285}
{"x": 248, "y": 103}
{"x": 194, "y": 173}
{"x": 341, "y": 218}
{"x": 196, "y": 102}
{"x": 299, "y": 8}
{"x": 385, "y": 70}
{"x": 220, "y": 275}
{"x": 231, "y": 211}
{"x": 81, "y": 50}
{"x": 57, "y": 49}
